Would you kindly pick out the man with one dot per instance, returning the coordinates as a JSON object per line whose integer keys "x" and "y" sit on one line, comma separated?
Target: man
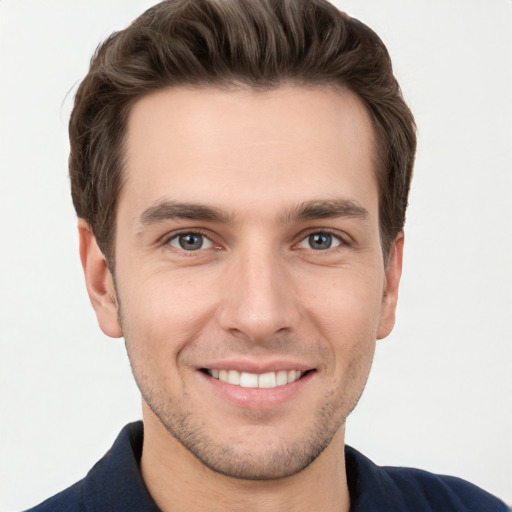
{"x": 240, "y": 171}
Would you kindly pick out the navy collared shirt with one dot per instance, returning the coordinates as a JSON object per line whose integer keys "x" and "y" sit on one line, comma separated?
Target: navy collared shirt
{"x": 115, "y": 484}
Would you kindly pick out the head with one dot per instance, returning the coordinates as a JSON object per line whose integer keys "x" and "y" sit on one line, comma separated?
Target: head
{"x": 240, "y": 168}
{"x": 238, "y": 43}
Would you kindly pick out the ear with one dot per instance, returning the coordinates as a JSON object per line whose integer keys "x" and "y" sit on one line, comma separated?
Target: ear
{"x": 99, "y": 282}
{"x": 392, "y": 281}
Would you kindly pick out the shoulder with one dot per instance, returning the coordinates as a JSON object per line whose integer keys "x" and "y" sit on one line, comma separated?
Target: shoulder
{"x": 396, "y": 489}
{"x": 114, "y": 483}
{"x": 69, "y": 500}
{"x": 442, "y": 492}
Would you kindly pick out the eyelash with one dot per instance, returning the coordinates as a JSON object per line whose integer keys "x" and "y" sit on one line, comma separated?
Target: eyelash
{"x": 341, "y": 241}
{"x": 166, "y": 241}
{"x": 335, "y": 238}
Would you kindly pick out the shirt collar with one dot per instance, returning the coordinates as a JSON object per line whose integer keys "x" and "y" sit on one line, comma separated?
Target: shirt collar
{"x": 115, "y": 483}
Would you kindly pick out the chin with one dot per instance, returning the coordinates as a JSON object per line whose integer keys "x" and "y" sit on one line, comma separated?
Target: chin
{"x": 256, "y": 452}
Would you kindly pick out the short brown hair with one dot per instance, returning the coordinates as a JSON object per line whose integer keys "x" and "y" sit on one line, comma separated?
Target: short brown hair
{"x": 260, "y": 44}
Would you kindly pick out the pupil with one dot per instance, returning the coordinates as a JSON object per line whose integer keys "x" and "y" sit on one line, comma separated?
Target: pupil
{"x": 191, "y": 242}
{"x": 320, "y": 241}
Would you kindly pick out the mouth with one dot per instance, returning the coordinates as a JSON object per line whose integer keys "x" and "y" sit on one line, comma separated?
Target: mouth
{"x": 265, "y": 380}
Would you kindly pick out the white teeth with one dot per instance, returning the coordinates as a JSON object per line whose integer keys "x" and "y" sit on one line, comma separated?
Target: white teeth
{"x": 267, "y": 380}
{"x": 248, "y": 380}
{"x": 253, "y": 380}
{"x": 281, "y": 378}
{"x": 234, "y": 377}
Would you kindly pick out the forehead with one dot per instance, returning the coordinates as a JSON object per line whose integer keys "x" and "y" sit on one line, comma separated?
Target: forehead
{"x": 246, "y": 148}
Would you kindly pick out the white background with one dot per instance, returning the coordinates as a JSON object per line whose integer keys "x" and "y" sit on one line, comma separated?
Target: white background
{"x": 440, "y": 396}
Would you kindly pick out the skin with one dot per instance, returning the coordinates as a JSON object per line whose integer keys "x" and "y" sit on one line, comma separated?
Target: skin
{"x": 246, "y": 172}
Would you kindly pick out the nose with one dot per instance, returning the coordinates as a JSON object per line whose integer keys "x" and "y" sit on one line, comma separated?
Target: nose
{"x": 259, "y": 298}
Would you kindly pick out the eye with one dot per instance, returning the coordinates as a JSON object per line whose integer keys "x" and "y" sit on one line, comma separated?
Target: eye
{"x": 190, "y": 242}
{"x": 320, "y": 241}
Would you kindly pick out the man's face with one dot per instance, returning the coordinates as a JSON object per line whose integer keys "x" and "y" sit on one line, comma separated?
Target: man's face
{"x": 248, "y": 254}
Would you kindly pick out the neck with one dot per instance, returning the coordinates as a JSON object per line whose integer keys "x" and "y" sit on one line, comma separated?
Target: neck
{"x": 178, "y": 481}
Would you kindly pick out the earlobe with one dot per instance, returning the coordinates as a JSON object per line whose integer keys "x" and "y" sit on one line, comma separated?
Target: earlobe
{"x": 392, "y": 282}
{"x": 99, "y": 282}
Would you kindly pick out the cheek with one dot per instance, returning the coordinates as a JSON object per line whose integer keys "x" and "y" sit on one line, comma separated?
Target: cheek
{"x": 161, "y": 318}
{"x": 345, "y": 311}
{"x": 347, "y": 306}
{"x": 165, "y": 310}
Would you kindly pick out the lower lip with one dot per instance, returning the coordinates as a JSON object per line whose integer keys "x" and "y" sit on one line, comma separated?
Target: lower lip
{"x": 257, "y": 398}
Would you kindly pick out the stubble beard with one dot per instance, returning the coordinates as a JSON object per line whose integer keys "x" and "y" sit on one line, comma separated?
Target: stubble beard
{"x": 280, "y": 460}
{"x": 283, "y": 459}
{"x": 238, "y": 458}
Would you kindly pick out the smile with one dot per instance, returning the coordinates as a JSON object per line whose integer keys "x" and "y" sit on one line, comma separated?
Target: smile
{"x": 256, "y": 380}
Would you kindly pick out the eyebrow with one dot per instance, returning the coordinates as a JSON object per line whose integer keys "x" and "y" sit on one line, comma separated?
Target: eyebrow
{"x": 169, "y": 210}
{"x": 309, "y": 210}
{"x": 327, "y": 209}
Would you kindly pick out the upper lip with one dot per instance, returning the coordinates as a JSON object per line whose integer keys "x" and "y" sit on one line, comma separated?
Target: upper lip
{"x": 253, "y": 366}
